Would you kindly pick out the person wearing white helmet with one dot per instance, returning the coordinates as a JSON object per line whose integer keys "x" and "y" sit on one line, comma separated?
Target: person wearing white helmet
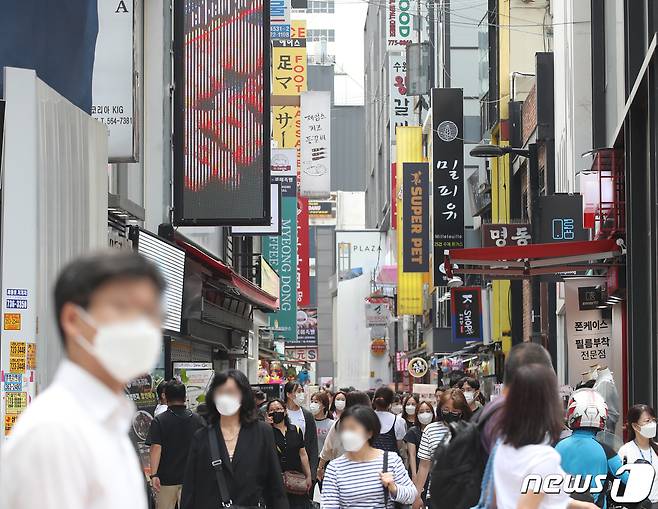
{"x": 582, "y": 453}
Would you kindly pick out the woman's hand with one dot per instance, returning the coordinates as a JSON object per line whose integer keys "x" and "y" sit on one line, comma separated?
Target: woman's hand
{"x": 389, "y": 482}
{"x": 309, "y": 483}
{"x": 320, "y": 474}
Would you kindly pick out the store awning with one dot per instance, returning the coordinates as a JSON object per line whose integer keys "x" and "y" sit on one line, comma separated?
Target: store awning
{"x": 242, "y": 287}
{"x": 387, "y": 275}
{"x": 531, "y": 260}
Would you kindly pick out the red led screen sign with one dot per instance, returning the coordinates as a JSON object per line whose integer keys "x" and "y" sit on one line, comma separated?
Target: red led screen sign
{"x": 222, "y": 114}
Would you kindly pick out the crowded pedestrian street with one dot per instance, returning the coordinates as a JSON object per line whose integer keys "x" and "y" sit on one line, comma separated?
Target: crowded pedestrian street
{"x": 329, "y": 254}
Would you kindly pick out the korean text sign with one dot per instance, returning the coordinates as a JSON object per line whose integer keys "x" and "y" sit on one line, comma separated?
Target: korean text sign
{"x": 415, "y": 231}
{"x": 315, "y": 143}
{"x": 589, "y": 335}
{"x": 501, "y": 235}
{"x": 447, "y": 171}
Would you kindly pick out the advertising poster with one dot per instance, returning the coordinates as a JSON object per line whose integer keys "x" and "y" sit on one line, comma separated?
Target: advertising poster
{"x": 31, "y": 356}
{"x": 197, "y": 377}
{"x": 222, "y": 167}
{"x": 589, "y": 335}
{"x": 281, "y": 253}
{"x": 447, "y": 171}
{"x": 284, "y": 171}
{"x": 415, "y": 228}
{"x": 307, "y": 327}
{"x": 303, "y": 268}
{"x": 322, "y": 212}
{"x": 378, "y": 310}
{"x": 17, "y": 360}
{"x": 141, "y": 392}
{"x": 269, "y": 279}
{"x": 113, "y": 82}
{"x": 272, "y": 391}
{"x": 315, "y": 143}
{"x": 501, "y": 235}
{"x": 466, "y": 307}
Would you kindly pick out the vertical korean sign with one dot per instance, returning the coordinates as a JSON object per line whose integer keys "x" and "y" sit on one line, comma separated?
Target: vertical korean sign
{"x": 400, "y": 22}
{"x": 281, "y": 251}
{"x": 415, "y": 227}
{"x": 280, "y": 19}
{"x": 589, "y": 335}
{"x": 466, "y": 307}
{"x": 303, "y": 262}
{"x": 316, "y": 144}
{"x": 447, "y": 171}
{"x": 113, "y": 82}
{"x": 400, "y": 106}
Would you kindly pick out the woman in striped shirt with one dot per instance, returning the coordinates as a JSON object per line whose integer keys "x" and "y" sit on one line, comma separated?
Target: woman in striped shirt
{"x": 365, "y": 477}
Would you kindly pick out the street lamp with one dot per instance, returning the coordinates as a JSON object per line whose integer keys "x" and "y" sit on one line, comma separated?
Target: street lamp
{"x": 497, "y": 151}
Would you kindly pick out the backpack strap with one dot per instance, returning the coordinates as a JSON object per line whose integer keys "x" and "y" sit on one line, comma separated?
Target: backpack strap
{"x": 385, "y": 469}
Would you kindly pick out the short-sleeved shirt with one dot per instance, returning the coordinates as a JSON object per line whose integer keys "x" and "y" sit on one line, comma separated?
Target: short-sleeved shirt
{"x": 414, "y": 436}
{"x": 631, "y": 453}
{"x": 288, "y": 446}
{"x": 173, "y": 430}
{"x": 433, "y": 435}
{"x": 297, "y": 419}
{"x": 511, "y": 466}
{"x": 323, "y": 426}
{"x": 387, "y": 420}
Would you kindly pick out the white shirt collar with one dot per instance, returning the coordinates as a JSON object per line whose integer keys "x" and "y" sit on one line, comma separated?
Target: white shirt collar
{"x": 102, "y": 404}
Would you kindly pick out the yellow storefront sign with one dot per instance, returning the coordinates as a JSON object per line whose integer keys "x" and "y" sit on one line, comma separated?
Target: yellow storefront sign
{"x": 17, "y": 351}
{"x": 409, "y": 141}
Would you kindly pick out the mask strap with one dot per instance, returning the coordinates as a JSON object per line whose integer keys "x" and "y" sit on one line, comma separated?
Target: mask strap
{"x": 79, "y": 338}
{"x": 86, "y": 317}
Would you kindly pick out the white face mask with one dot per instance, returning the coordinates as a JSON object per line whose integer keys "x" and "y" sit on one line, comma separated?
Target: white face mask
{"x": 470, "y": 396}
{"x": 352, "y": 441}
{"x": 314, "y": 408}
{"x": 648, "y": 430}
{"x": 227, "y": 405}
{"x": 396, "y": 409}
{"x": 425, "y": 417}
{"x": 300, "y": 398}
{"x": 410, "y": 409}
{"x": 340, "y": 405}
{"x": 125, "y": 349}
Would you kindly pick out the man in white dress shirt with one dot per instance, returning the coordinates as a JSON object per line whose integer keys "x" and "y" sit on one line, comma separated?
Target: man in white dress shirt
{"x": 70, "y": 448}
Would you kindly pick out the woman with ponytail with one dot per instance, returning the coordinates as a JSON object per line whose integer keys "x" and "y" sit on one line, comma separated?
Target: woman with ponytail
{"x": 393, "y": 427}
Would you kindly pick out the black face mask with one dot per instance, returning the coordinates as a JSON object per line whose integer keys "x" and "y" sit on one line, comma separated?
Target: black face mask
{"x": 277, "y": 417}
{"x": 451, "y": 417}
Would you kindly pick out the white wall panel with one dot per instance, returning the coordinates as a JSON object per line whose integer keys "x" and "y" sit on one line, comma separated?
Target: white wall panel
{"x": 54, "y": 200}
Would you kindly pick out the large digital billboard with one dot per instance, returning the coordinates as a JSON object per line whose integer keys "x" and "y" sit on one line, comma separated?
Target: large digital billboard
{"x": 222, "y": 120}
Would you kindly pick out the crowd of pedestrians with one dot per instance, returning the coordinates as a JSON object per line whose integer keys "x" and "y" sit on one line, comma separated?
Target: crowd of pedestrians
{"x": 375, "y": 450}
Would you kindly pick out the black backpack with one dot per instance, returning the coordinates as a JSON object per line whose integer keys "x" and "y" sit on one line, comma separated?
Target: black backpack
{"x": 457, "y": 468}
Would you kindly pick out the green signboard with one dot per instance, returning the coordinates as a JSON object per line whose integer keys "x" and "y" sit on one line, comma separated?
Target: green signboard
{"x": 281, "y": 253}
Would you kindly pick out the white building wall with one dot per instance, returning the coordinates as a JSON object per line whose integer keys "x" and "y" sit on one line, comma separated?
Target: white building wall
{"x": 573, "y": 92}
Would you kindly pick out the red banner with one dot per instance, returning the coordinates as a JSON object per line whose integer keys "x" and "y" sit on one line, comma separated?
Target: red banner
{"x": 303, "y": 275}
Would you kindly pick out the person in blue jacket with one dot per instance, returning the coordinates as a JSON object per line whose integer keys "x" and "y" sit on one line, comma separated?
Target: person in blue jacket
{"x": 581, "y": 452}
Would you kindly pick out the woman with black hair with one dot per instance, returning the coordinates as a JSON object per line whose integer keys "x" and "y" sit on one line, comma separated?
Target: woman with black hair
{"x": 393, "y": 428}
{"x": 409, "y": 404}
{"x": 338, "y": 404}
{"x": 290, "y": 449}
{"x": 234, "y": 459}
{"x": 531, "y": 424}
{"x": 299, "y": 416}
{"x": 365, "y": 477}
{"x": 642, "y": 448}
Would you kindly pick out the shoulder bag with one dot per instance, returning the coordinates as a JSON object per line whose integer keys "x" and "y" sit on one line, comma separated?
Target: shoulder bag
{"x": 294, "y": 482}
{"x": 224, "y": 494}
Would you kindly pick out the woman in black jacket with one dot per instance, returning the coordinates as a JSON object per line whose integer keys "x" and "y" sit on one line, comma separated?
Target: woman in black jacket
{"x": 249, "y": 462}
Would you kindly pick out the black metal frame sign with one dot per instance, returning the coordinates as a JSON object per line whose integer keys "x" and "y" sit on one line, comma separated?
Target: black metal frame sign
{"x": 447, "y": 172}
